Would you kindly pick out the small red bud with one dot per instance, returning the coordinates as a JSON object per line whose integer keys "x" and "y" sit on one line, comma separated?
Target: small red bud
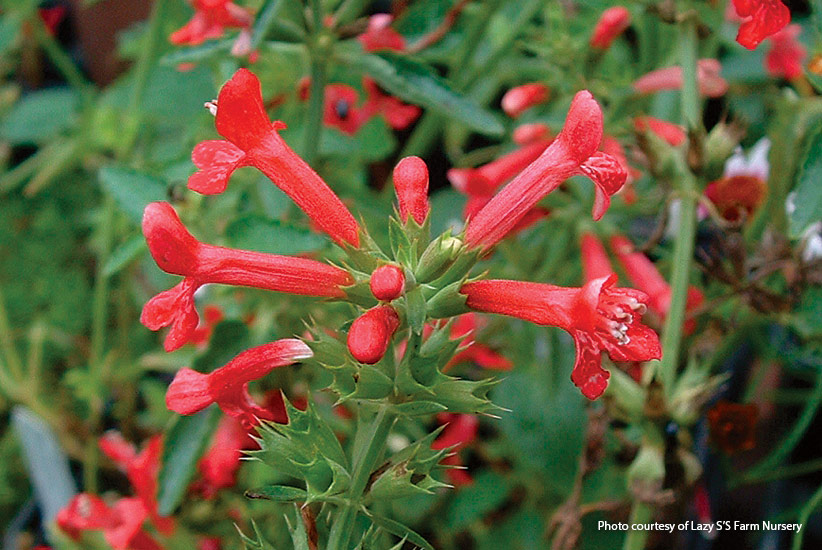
{"x": 371, "y": 332}
{"x": 387, "y": 282}
{"x": 411, "y": 185}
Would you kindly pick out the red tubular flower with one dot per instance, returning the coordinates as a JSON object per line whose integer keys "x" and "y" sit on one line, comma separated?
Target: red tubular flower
{"x": 219, "y": 465}
{"x": 371, "y": 332}
{"x": 732, "y": 426}
{"x": 521, "y": 98}
{"x": 737, "y": 196}
{"x": 211, "y": 18}
{"x": 192, "y": 391}
{"x": 595, "y": 261}
{"x": 531, "y": 132}
{"x": 253, "y": 141}
{"x": 387, "y": 282}
{"x": 411, "y": 186}
{"x": 460, "y": 431}
{"x": 612, "y": 146}
{"x": 212, "y": 315}
{"x": 611, "y": 24}
{"x": 644, "y": 275}
{"x": 176, "y": 251}
{"x": 765, "y": 18}
{"x": 786, "y": 55}
{"x": 121, "y": 524}
{"x": 380, "y": 36}
{"x": 465, "y": 326}
{"x": 573, "y": 152}
{"x": 397, "y": 114}
{"x": 711, "y": 83}
{"x": 340, "y": 109}
{"x": 673, "y": 134}
{"x": 599, "y": 316}
{"x": 142, "y": 470}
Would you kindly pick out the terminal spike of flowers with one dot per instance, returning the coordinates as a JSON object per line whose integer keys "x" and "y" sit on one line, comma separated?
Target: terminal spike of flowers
{"x": 610, "y": 25}
{"x": 709, "y": 80}
{"x": 210, "y": 19}
{"x": 192, "y": 391}
{"x": 411, "y": 186}
{"x": 176, "y": 251}
{"x": 253, "y": 141}
{"x": 371, "y": 332}
{"x": 764, "y": 18}
{"x": 599, "y": 316}
{"x": 573, "y": 152}
{"x": 644, "y": 275}
{"x": 519, "y": 99}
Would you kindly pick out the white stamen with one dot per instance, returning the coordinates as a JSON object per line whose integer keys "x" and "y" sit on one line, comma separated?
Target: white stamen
{"x": 211, "y": 106}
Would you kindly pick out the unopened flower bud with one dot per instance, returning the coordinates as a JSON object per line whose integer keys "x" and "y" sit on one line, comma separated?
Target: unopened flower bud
{"x": 387, "y": 282}
{"x": 437, "y": 258}
{"x": 371, "y": 332}
{"x": 722, "y": 140}
{"x": 411, "y": 185}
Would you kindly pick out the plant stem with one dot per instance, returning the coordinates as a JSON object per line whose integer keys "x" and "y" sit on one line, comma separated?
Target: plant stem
{"x": 314, "y": 118}
{"x": 370, "y": 440}
{"x": 61, "y": 59}
{"x": 640, "y": 513}
{"x": 686, "y": 230}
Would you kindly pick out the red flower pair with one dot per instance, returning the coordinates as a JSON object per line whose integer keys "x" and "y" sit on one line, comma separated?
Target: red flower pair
{"x": 341, "y": 110}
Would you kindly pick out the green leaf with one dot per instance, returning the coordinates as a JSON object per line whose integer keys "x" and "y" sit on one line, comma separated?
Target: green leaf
{"x": 124, "y": 254}
{"x": 470, "y": 504}
{"x": 273, "y": 236}
{"x": 278, "y": 493}
{"x": 183, "y": 446}
{"x": 416, "y": 83}
{"x": 39, "y": 116}
{"x": 398, "y": 529}
{"x": 808, "y": 198}
{"x": 132, "y": 190}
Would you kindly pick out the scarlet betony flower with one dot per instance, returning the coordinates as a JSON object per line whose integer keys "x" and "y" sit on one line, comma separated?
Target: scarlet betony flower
{"x": 380, "y": 36}
{"x": 673, "y": 134}
{"x": 121, "y": 524}
{"x": 573, "y": 152}
{"x": 142, "y": 470}
{"x": 611, "y": 146}
{"x": 192, "y": 391}
{"x": 221, "y": 461}
{"x": 786, "y": 54}
{"x": 595, "y": 261}
{"x": 599, "y": 316}
{"x": 212, "y": 315}
{"x": 644, "y": 275}
{"x": 210, "y": 19}
{"x": 371, "y": 332}
{"x": 763, "y": 19}
{"x": 411, "y": 186}
{"x": 253, "y": 141}
{"x": 340, "y": 109}
{"x": 610, "y": 25}
{"x": 387, "y": 282}
{"x": 733, "y": 426}
{"x": 519, "y": 99}
{"x": 397, "y": 114}
{"x": 711, "y": 83}
{"x": 176, "y": 251}
{"x": 459, "y": 432}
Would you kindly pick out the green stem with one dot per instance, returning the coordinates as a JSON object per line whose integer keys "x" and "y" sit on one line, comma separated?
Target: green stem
{"x": 370, "y": 441}
{"x": 314, "y": 118}
{"x": 641, "y": 512}
{"x": 13, "y": 360}
{"x": 805, "y": 515}
{"x": 61, "y": 59}
{"x": 686, "y": 231}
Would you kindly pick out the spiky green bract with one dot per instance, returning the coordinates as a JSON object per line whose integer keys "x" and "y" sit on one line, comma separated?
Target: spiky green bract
{"x": 305, "y": 449}
{"x": 407, "y": 472}
{"x": 256, "y": 543}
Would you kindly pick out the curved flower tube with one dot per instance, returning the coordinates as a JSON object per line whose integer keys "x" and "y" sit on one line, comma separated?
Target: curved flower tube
{"x": 253, "y": 141}
{"x": 595, "y": 261}
{"x": 176, "y": 251}
{"x": 192, "y": 391}
{"x": 599, "y": 316}
{"x": 519, "y": 99}
{"x": 709, "y": 80}
{"x": 671, "y": 133}
{"x": 573, "y": 152}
